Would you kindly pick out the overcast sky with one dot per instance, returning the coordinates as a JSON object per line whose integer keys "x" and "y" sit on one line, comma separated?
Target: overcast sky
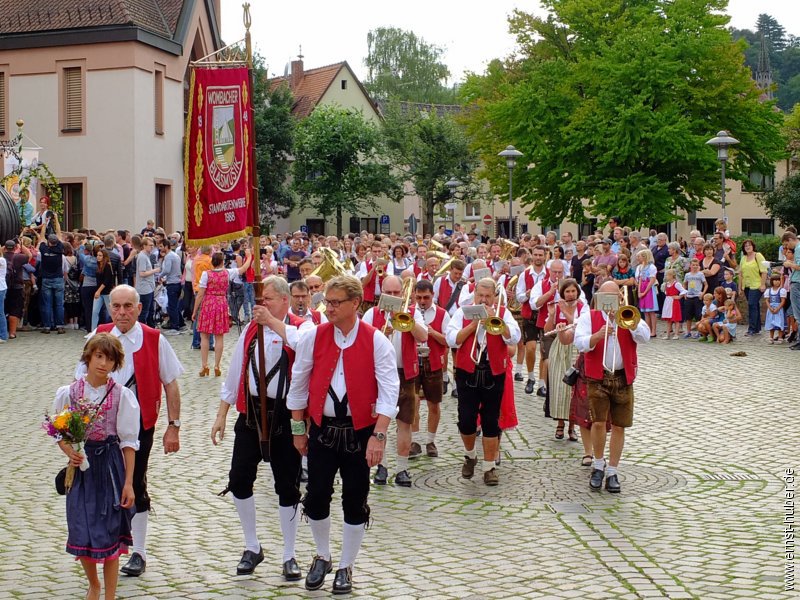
{"x": 472, "y": 33}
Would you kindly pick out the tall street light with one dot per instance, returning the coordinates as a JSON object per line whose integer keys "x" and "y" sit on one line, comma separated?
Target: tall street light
{"x": 452, "y": 184}
{"x": 722, "y": 141}
{"x": 511, "y": 155}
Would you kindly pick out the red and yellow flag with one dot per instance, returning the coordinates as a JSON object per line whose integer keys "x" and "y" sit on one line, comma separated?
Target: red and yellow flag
{"x": 218, "y": 174}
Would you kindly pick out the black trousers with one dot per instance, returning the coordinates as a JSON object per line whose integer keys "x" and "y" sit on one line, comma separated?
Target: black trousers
{"x": 479, "y": 397}
{"x": 285, "y": 461}
{"x": 332, "y": 449}
{"x": 140, "y": 469}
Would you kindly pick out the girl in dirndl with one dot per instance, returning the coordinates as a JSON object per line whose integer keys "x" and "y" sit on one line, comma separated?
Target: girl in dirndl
{"x": 671, "y": 312}
{"x": 100, "y": 501}
{"x": 647, "y": 286}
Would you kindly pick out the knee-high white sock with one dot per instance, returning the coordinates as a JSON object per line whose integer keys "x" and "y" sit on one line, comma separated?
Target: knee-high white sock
{"x": 321, "y": 530}
{"x": 139, "y": 533}
{"x": 304, "y": 462}
{"x": 246, "y": 507}
{"x": 290, "y": 519}
{"x": 352, "y": 535}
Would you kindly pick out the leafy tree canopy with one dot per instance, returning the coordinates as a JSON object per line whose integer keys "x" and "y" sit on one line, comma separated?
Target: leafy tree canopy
{"x": 783, "y": 203}
{"x": 612, "y": 103}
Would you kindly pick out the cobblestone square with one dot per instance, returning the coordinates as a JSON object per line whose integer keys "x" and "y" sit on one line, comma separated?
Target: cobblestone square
{"x": 700, "y": 514}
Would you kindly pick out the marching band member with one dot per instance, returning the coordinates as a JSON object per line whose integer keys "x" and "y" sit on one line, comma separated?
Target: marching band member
{"x": 446, "y": 291}
{"x": 407, "y": 361}
{"x": 481, "y": 365}
{"x": 420, "y": 260}
{"x": 609, "y": 391}
{"x": 240, "y": 389}
{"x": 370, "y": 280}
{"x": 431, "y": 365}
{"x": 482, "y": 253}
{"x": 300, "y": 299}
{"x": 468, "y": 291}
{"x": 345, "y": 376}
{"x": 544, "y": 297}
{"x": 431, "y": 266}
{"x": 531, "y": 331}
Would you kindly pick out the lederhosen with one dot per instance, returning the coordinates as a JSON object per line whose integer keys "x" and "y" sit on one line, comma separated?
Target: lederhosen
{"x": 284, "y": 459}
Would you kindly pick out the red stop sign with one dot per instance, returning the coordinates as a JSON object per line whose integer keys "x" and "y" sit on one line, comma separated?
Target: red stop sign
{"x": 487, "y": 219}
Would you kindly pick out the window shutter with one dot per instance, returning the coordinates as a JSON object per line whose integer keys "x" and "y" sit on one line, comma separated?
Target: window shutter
{"x": 159, "y": 102}
{"x": 3, "y": 115}
{"x": 73, "y": 99}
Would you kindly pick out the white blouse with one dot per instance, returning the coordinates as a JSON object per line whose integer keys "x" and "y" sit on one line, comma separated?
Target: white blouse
{"x": 127, "y": 414}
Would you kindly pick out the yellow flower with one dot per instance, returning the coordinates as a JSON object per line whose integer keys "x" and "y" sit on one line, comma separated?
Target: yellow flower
{"x": 61, "y": 422}
{"x": 86, "y": 419}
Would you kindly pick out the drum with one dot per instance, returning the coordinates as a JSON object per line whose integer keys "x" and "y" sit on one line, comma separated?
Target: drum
{"x": 9, "y": 217}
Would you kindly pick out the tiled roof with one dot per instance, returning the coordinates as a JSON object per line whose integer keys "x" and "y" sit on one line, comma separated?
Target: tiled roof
{"x": 28, "y": 16}
{"x": 310, "y": 89}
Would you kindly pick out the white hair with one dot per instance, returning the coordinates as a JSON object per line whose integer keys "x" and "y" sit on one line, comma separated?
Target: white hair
{"x": 125, "y": 288}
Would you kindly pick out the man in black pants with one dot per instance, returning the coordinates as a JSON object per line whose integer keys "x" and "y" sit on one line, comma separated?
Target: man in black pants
{"x": 241, "y": 389}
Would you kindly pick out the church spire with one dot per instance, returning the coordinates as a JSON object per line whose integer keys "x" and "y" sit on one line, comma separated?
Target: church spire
{"x": 764, "y": 71}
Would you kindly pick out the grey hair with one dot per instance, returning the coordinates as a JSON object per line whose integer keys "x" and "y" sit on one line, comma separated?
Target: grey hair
{"x": 674, "y": 246}
{"x": 487, "y": 282}
{"x": 278, "y": 284}
{"x": 125, "y": 288}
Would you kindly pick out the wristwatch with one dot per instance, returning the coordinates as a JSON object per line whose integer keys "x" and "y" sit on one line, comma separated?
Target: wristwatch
{"x": 381, "y": 437}
{"x": 176, "y": 423}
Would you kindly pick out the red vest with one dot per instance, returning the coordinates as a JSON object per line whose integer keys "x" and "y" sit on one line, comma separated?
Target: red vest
{"x": 316, "y": 319}
{"x": 541, "y": 318}
{"x": 417, "y": 269}
{"x": 369, "y": 290}
{"x": 446, "y": 288}
{"x": 148, "y": 381}
{"x": 249, "y": 336}
{"x": 437, "y": 350}
{"x": 359, "y": 374}
{"x": 560, "y": 318}
{"x": 408, "y": 345}
{"x": 627, "y": 347}
{"x": 495, "y": 346}
{"x": 527, "y": 311}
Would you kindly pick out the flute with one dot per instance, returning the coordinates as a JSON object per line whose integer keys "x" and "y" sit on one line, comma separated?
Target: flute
{"x": 556, "y": 331}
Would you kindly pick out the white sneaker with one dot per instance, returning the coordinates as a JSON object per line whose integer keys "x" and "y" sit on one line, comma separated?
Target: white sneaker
{"x": 170, "y": 332}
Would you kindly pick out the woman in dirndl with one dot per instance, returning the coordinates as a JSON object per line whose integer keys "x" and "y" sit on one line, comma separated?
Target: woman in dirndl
{"x": 100, "y": 500}
{"x": 562, "y": 355}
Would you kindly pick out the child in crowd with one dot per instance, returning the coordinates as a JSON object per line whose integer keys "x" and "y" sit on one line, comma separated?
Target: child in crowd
{"x": 729, "y": 283}
{"x": 709, "y": 313}
{"x": 600, "y": 278}
{"x": 587, "y": 281}
{"x": 696, "y": 286}
{"x": 671, "y": 312}
{"x": 726, "y": 329}
{"x": 776, "y": 317}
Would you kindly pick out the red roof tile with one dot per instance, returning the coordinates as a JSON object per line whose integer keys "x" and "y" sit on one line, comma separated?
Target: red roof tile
{"x": 310, "y": 89}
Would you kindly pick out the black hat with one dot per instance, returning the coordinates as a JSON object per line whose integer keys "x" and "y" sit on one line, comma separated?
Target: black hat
{"x": 11, "y": 244}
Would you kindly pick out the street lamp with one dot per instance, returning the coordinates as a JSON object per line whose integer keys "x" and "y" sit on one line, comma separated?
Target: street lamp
{"x": 511, "y": 155}
{"x": 722, "y": 141}
{"x": 452, "y": 184}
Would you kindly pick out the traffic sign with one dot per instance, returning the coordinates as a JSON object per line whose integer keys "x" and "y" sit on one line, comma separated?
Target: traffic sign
{"x": 450, "y": 206}
{"x": 304, "y": 228}
{"x": 487, "y": 219}
{"x": 384, "y": 219}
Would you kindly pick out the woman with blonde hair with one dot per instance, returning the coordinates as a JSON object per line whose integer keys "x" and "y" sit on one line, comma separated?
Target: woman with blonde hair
{"x": 646, "y": 285}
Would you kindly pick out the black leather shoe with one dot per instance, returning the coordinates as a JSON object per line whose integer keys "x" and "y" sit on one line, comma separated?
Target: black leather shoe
{"x": 518, "y": 377}
{"x": 135, "y": 566}
{"x": 291, "y": 570}
{"x": 250, "y": 560}
{"x": 343, "y": 582}
{"x": 402, "y": 479}
{"x": 529, "y": 386}
{"x": 454, "y": 393}
{"x": 542, "y": 392}
{"x": 596, "y": 480}
{"x": 612, "y": 484}
{"x": 316, "y": 574}
{"x": 381, "y": 475}
{"x": 445, "y": 386}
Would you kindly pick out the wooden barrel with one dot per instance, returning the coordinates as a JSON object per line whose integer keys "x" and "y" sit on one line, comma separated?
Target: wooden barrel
{"x": 9, "y": 217}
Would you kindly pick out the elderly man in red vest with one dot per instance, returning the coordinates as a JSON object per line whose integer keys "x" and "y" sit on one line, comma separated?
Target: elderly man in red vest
{"x": 481, "y": 361}
{"x": 405, "y": 348}
{"x": 154, "y": 366}
{"x": 610, "y": 363}
{"x": 241, "y": 389}
{"x": 345, "y": 379}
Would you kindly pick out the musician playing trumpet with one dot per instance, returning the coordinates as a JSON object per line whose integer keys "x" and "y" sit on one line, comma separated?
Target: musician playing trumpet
{"x": 481, "y": 361}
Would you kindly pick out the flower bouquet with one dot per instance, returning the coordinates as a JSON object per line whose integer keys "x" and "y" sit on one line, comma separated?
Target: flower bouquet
{"x": 72, "y": 426}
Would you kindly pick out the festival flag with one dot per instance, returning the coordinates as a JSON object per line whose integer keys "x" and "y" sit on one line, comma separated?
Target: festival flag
{"x": 218, "y": 171}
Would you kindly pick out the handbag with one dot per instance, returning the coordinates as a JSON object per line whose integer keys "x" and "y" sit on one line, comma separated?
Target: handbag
{"x": 571, "y": 376}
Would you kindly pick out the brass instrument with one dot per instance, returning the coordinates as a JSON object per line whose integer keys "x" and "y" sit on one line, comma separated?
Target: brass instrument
{"x": 442, "y": 256}
{"x": 330, "y": 266}
{"x": 403, "y": 321}
{"x": 511, "y": 295}
{"x": 493, "y": 325}
{"x": 628, "y": 316}
{"x": 380, "y": 268}
{"x": 445, "y": 267}
{"x": 436, "y": 245}
{"x": 508, "y": 249}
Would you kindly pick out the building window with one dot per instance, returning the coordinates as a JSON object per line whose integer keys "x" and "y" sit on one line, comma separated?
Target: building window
{"x": 72, "y": 196}
{"x": 158, "y": 101}
{"x": 3, "y": 105}
{"x": 72, "y": 100}
{"x": 554, "y": 228}
{"x": 587, "y": 228}
{"x": 344, "y": 84}
{"x": 369, "y": 224}
{"x": 472, "y": 209}
{"x": 706, "y": 227}
{"x": 758, "y": 227}
{"x": 164, "y": 206}
{"x": 761, "y": 183}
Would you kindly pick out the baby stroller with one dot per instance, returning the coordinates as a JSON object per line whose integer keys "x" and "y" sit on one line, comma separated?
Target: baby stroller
{"x": 160, "y": 305}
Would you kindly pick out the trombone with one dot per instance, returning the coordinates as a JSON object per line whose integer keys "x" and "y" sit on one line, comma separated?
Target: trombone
{"x": 626, "y": 317}
{"x": 493, "y": 325}
{"x": 404, "y": 321}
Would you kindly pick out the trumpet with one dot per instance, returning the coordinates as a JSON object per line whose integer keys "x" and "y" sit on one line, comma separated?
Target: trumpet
{"x": 493, "y": 325}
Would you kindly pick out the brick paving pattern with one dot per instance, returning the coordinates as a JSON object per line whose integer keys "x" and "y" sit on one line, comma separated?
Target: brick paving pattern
{"x": 700, "y": 514}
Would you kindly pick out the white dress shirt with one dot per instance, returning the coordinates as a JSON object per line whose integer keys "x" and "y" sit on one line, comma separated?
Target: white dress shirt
{"x": 428, "y": 316}
{"x": 273, "y": 348}
{"x": 396, "y": 337}
{"x": 538, "y": 293}
{"x": 613, "y": 356}
{"x": 521, "y": 290}
{"x": 127, "y": 413}
{"x": 457, "y": 323}
{"x": 169, "y": 367}
{"x": 385, "y": 372}
{"x": 437, "y": 286}
{"x": 362, "y": 272}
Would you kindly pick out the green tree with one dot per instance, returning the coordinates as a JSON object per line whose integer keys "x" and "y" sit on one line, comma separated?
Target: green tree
{"x": 612, "y": 102}
{"x": 402, "y": 66}
{"x": 340, "y": 164}
{"x": 274, "y": 131}
{"x": 429, "y": 149}
{"x": 783, "y": 203}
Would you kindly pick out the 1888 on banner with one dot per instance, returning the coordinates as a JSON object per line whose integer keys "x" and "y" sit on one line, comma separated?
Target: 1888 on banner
{"x": 218, "y": 176}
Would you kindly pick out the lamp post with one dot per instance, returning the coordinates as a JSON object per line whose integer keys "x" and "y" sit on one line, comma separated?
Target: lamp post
{"x": 722, "y": 140}
{"x": 511, "y": 155}
{"x": 452, "y": 184}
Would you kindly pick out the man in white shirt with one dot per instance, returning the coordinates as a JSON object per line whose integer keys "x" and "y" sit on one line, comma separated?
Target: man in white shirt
{"x": 300, "y": 299}
{"x": 407, "y": 360}
{"x": 345, "y": 376}
{"x": 241, "y": 389}
{"x": 610, "y": 363}
{"x": 531, "y": 331}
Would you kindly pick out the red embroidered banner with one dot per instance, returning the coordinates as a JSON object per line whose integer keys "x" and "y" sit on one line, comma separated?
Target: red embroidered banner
{"x": 218, "y": 175}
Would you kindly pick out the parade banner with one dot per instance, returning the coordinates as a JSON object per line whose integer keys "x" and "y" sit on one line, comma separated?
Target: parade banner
{"x": 218, "y": 176}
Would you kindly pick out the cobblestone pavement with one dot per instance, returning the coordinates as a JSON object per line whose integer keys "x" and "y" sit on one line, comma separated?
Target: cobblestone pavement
{"x": 700, "y": 514}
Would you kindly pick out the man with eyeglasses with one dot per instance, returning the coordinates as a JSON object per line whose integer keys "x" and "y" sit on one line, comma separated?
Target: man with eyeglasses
{"x": 345, "y": 377}
{"x": 407, "y": 361}
{"x": 300, "y": 304}
{"x": 150, "y": 364}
